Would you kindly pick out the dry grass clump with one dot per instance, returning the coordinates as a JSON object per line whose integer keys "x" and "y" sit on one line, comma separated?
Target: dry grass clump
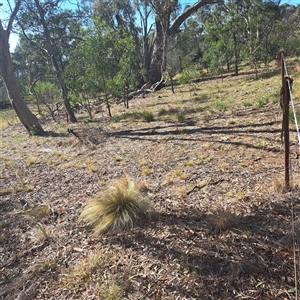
{"x": 91, "y": 274}
{"x": 120, "y": 208}
{"x": 278, "y": 185}
{"x": 223, "y": 221}
{"x": 148, "y": 116}
{"x": 7, "y": 118}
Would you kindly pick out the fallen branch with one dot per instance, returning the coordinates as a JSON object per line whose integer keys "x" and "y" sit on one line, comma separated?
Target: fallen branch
{"x": 198, "y": 187}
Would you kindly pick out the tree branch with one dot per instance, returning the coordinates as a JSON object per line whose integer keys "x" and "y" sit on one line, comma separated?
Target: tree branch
{"x": 12, "y": 17}
{"x": 187, "y": 12}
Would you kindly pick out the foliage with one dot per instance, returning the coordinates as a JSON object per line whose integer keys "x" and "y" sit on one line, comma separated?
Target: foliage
{"x": 48, "y": 94}
{"x": 120, "y": 208}
{"x": 106, "y": 56}
{"x": 188, "y": 75}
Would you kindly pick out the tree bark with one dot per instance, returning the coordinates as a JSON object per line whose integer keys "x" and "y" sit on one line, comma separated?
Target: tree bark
{"x": 51, "y": 54}
{"x": 155, "y": 72}
{"x": 27, "y": 118}
{"x": 162, "y": 35}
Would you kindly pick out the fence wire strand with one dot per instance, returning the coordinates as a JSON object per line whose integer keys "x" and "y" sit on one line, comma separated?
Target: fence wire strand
{"x": 292, "y": 101}
{"x": 294, "y": 217}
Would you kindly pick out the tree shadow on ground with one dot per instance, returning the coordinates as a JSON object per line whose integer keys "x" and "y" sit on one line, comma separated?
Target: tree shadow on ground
{"x": 251, "y": 250}
{"x": 180, "y": 132}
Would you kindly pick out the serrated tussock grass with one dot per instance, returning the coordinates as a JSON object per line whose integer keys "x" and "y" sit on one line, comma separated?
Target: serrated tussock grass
{"x": 121, "y": 207}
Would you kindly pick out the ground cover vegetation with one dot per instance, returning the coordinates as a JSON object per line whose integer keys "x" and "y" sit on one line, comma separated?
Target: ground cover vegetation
{"x": 154, "y": 164}
{"x": 186, "y": 208}
{"x": 110, "y": 51}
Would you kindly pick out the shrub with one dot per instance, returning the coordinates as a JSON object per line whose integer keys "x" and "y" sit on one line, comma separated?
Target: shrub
{"x": 120, "y": 208}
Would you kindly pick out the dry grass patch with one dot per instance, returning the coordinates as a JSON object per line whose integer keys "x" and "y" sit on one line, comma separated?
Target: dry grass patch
{"x": 180, "y": 116}
{"x": 120, "y": 208}
{"x": 181, "y": 191}
{"x": 31, "y": 160}
{"x": 169, "y": 180}
{"x": 223, "y": 220}
{"x": 91, "y": 168}
{"x": 278, "y": 185}
{"x": 146, "y": 171}
{"x": 148, "y": 116}
{"x": 189, "y": 163}
{"x": 223, "y": 165}
{"x": 179, "y": 173}
{"x": 7, "y": 118}
{"x": 91, "y": 274}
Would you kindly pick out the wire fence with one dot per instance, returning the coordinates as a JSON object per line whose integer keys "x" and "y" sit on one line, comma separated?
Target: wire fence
{"x": 291, "y": 99}
{"x": 287, "y": 98}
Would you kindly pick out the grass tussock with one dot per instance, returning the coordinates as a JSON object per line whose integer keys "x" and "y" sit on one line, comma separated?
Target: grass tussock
{"x": 223, "y": 220}
{"x": 7, "y": 118}
{"x": 278, "y": 184}
{"x": 120, "y": 208}
{"x": 86, "y": 273}
{"x": 148, "y": 116}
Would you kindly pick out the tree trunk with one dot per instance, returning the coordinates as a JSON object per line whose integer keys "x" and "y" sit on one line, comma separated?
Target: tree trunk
{"x": 27, "y": 118}
{"x": 51, "y": 54}
{"x": 155, "y": 72}
{"x": 236, "y": 56}
{"x": 162, "y": 35}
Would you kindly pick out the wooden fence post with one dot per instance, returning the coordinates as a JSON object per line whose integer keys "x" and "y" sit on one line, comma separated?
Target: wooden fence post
{"x": 286, "y": 135}
{"x": 285, "y": 123}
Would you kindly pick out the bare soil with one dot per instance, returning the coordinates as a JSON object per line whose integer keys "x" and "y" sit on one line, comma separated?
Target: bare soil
{"x": 221, "y": 227}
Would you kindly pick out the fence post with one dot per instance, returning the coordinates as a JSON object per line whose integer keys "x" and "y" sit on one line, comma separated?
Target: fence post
{"x": 286, "y": 100}
{"x": 286, "y": 136}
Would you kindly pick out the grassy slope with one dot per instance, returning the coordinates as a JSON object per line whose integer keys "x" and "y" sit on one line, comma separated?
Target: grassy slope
{"x": 213, "y": 164}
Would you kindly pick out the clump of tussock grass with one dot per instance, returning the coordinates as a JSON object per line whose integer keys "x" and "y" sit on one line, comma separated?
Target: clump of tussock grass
{"x": 180, "y": 116}
{"x": 278, "y": 185}
{"x": 120, "y": 208}
{"x": 223, "y": 220}
{"x": 148, "y": 116}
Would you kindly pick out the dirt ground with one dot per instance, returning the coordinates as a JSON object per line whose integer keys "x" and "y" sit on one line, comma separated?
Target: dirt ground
{"x": 221, "y": 227}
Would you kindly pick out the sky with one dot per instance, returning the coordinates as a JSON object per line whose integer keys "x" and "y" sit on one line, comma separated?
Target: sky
{"x": 14, "y": 37}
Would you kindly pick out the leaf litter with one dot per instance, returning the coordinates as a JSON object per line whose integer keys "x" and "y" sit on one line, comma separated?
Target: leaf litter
{"x": 221, "y": 228}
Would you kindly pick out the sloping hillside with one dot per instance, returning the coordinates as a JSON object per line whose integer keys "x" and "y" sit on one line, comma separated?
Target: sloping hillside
{"x": 212, "y": 164}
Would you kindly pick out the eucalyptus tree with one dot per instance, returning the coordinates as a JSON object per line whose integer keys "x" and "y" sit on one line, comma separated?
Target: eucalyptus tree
{"x": 189, "y": 42}
{"x": 49, "y": 95}
{"x": 122, "y": 15}
{"x": 286, "y": 32}
{"x": 145, "y": 13}
{"x": 27, "y": 118}
{"x": 271, "y": 13}
{"x": 29, "y": 67}
{"x": 126, "y": 78}
{"x": 52, "y": 31}
{"x": 78, "y": 77}
{"x": 167, "y": 23}
{"x": 94, "y": 64}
